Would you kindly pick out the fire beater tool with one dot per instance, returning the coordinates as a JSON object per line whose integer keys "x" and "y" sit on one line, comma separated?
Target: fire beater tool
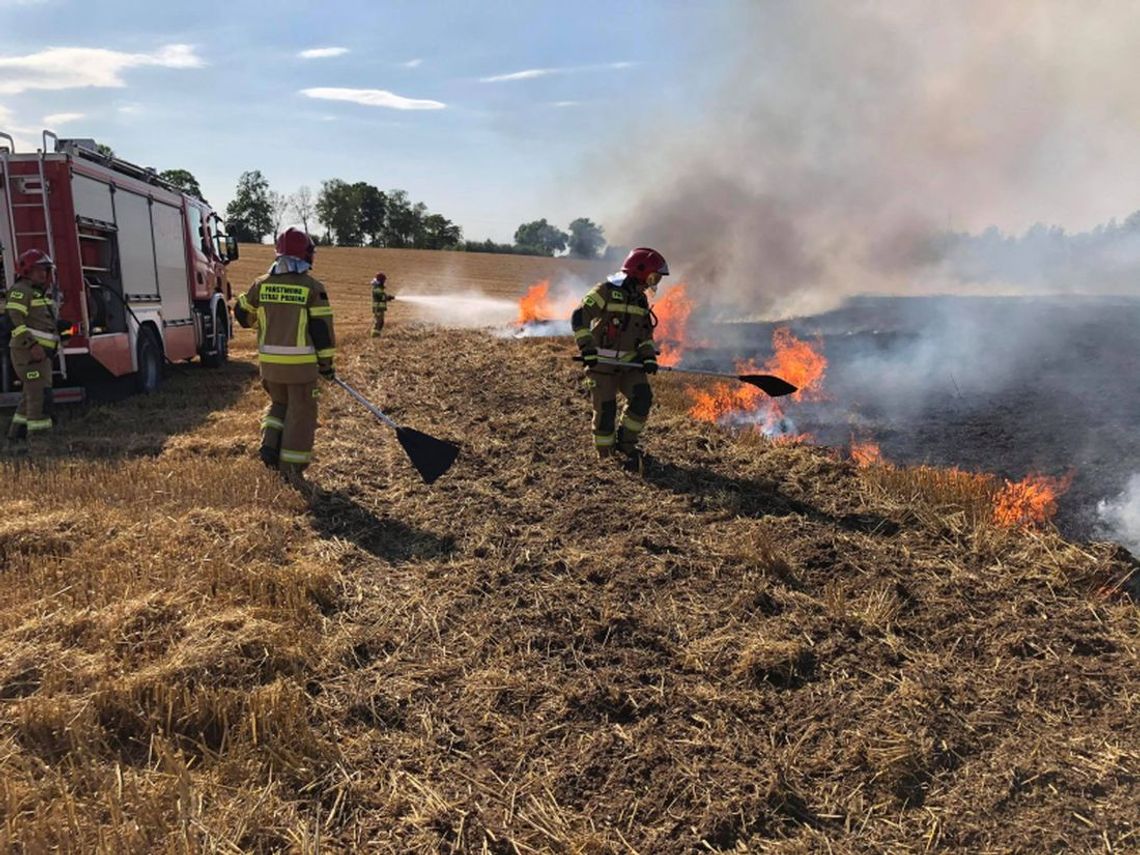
{"x": 769, "y": 384}
{"x": 431, "y": 457}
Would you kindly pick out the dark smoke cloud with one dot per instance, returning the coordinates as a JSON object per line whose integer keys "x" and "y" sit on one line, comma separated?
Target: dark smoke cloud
{"x": 850, "y": 137}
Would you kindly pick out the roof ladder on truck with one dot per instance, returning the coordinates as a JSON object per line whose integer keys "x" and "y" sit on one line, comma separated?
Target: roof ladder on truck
{"x": 7, "y": 247}
{"x": 27, "y": 188}
{"x": 7, "y": 241}
{"x": 44, "y": 199}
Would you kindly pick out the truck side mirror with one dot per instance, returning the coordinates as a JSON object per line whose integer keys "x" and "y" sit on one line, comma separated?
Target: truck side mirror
{"x": 227, "y": 248}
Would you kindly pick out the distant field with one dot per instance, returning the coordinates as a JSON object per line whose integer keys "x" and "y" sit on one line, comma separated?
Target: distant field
{"x": 348, "y": 271}
{"x": 755, "y": 647}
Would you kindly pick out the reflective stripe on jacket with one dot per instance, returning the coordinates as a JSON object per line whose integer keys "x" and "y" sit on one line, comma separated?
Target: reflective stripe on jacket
{"x": 615, "y": 320}
{"x": 32, "y": 314}
{"x": 294, "y": 326}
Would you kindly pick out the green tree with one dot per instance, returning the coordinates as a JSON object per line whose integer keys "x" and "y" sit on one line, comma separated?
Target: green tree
{"x": 586, "y": 238}
{"x": 540, "y": 238}
{"x": 419, "y": 214}
{"x": 105, "y": 150}
{"x": 440, "y": 233}
{"x": 184, "y": 180}
{"x": 249, "y": 215}
{"x": 372, "y": 210}
{"x": 400, "y": 224}
{"x": 338, "y": 208}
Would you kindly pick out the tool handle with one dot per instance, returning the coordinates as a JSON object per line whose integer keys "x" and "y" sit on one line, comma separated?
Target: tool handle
{"x": 605, "y": 360}
{"x": 364, "y": 402}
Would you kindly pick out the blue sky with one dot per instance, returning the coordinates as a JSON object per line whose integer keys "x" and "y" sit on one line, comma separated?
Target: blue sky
{"x": 489, "y": 112}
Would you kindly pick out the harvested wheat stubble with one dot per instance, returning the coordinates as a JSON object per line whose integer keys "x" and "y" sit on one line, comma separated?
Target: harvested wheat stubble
{"x": 755, "y": 647}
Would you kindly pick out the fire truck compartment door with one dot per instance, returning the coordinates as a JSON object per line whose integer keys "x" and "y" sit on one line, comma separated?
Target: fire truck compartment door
{"x": 136, "y": 244}
{"x": 92, "y": 199}
{"x": 170, "y": 255}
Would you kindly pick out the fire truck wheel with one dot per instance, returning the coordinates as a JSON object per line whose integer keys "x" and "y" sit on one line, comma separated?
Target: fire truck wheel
{"x": 149, "y": 375}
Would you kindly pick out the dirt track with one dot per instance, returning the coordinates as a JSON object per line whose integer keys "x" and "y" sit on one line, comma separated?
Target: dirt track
{"x": 754, "y": 647}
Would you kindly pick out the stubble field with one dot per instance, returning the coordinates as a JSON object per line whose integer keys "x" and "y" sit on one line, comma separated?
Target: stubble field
{"x": 755, "y": 647}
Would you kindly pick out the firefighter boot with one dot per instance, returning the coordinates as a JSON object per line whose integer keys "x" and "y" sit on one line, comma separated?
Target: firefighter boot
{"x": 269, "y": 455}
{"x": 294, "y": 475}
{"x": 17, "y": 444}
{"x": 633, "y": 460}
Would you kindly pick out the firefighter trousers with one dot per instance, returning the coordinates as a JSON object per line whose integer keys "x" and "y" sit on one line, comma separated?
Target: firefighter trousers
{"x": 35, "y": 375}
{"x": 604, "y": 388}
{"x": 377, "y": 323}
{"x": 289, "y": 423}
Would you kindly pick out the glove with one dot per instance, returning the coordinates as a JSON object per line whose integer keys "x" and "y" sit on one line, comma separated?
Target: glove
{"x": 36, "y": 353}
{"x": 590, "y": 356}
{"x": 326, "y": 370}
{"x": 649, "y": 364}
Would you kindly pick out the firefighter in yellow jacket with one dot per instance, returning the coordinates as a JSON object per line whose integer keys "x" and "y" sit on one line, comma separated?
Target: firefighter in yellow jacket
{"x": 380, "y": 301}
{"x": 34, "y": 339}
{"x": 614, "y": 324}
{"x": 295, "y": 343}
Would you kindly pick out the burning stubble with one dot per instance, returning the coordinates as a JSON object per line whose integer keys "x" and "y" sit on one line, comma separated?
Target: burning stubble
{"x": 867, "y": 149}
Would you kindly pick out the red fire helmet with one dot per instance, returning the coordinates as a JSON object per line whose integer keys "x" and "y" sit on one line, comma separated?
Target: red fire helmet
{"x": 643, "y": 261}
{"x": 379, "y": 279}
{"x": 32, "y": 258}
{"x": 295, "y": 243}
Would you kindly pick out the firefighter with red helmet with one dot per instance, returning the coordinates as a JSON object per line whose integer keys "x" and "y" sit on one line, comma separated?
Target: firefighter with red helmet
{"x": 34, "y": 340}
{"x": 614, "y": 324}
{"x": 380, "y": 301}
{"x": 296, "y": 345}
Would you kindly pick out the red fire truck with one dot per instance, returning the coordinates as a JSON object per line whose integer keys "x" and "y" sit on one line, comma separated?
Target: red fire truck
{"x": 140, "y": 265}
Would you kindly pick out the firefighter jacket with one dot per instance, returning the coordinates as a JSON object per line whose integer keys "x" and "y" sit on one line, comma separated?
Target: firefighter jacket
{"x": 32, "y": 314}
{"x": 294, "y": 324}
{"x": 380, "y": 300}
{"x": 616, "y": 320}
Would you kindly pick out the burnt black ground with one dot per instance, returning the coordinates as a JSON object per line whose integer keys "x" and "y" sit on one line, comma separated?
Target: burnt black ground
{"x": 1004, "y": 385}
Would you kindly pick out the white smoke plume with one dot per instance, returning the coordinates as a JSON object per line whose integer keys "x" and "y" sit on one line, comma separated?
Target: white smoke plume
{"x": 1120, "y": 517}
{"x": 466, "y": 309}
{"x": 851, "y": 136}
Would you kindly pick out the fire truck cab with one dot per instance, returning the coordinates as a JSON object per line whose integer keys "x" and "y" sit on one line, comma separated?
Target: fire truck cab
{"x": 140, "y": 266}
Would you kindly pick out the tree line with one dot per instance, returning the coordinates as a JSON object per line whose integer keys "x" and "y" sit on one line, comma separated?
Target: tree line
{"x": 360, "y": 214}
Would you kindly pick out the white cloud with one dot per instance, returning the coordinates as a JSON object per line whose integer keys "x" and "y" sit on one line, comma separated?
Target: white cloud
{"x": 528, "y": 74}
{"x": 373, "y": 98}
{"x": 532, "y": 73}
{"x": 57, "y": 119}
{"x": 322, "y": 53}
{"x": 74, "y": 68}
{"x": 24, "y": 137}
{"x": 412, "y": 63}
{"x": 565, "y": 103}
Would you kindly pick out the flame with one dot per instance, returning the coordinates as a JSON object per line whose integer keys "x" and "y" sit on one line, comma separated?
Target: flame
{"x": 1030, "y": 501}
{"x": 866, "y": 453}
{"x": 798, "y": 363}
{"x": 794, "y": 360}
{"x": 672, "y": 311}
{"x": 535, "y": 303}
